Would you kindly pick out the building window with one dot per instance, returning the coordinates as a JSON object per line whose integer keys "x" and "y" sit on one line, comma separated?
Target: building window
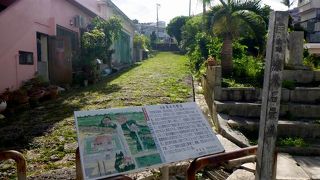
{"x": 25, "y": 57}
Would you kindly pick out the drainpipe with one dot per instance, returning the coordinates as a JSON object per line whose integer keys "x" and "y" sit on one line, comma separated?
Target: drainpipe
{"x": 16, "y": 60}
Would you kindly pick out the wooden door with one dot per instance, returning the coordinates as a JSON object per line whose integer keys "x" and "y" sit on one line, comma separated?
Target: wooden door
{"x": 60, "y": 60}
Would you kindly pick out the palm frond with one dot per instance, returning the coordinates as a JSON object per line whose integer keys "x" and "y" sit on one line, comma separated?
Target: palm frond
{"x": 224, "y": 4}
{"x": 220, "y": 13}
{"x": 253, "y": 21}
{"x": 246, "y": 5}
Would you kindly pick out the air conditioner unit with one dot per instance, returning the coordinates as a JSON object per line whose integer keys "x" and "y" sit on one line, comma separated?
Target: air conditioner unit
{"x": 79, "y": 21}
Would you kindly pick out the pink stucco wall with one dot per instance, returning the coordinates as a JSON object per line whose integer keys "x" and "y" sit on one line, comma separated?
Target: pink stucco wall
{"x": 18, "y": 26}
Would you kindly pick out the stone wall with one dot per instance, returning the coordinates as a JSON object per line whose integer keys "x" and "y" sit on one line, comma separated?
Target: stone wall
{"x": 298, "y": 95}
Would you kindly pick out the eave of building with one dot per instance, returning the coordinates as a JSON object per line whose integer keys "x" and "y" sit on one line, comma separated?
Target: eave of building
{"x": 110, "y": 3}
{"x": 83, "y": 8}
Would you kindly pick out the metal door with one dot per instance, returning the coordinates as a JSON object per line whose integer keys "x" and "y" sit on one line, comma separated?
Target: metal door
{"x": 60, "y": 60}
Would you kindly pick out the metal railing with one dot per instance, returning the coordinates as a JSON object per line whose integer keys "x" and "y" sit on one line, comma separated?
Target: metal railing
{"x": 20, "y": 161}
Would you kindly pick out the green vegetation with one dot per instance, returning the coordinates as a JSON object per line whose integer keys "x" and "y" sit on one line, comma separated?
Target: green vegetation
{"x": 229, "y": 20}
{"x": 49, "y": 130}
{"x": 141, "y": 42}
{"x": 292, "y": 142}
{"x": 175, "y": 25}
{"x": 120, "y": 164}
{"x": 311, "y": 60}
{"x": 234, "y": 33}
{"x": 288, "y": 84}
{"x": 147, "y": 161}
{"x": 96, "y": 44}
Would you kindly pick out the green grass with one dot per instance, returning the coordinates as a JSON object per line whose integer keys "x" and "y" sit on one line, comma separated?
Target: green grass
{"x": 42, "y": 133}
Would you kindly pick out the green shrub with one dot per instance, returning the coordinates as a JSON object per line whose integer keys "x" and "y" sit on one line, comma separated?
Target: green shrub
{"x": 249, "y": 70}
{"x": 311, "y": 60}
{"x": 292, "y": 142}
{"x": 231, "y": 83}
{"x": 205, "y": 46}
{"x": 141, "y": 42}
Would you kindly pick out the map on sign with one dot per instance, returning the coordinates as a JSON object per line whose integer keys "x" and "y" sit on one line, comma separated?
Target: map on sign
{"x": 120, "y": 141}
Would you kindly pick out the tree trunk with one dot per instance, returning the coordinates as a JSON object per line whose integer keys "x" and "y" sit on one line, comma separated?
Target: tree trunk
{"x": 203, "y": 16}
{"x": 226, "y": 56}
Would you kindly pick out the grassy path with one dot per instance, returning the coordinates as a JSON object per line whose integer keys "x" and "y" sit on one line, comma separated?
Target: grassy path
{"x": 46, "y": 135}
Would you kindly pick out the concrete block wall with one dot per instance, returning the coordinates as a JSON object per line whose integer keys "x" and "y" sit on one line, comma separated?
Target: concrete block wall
{"x": 301, "y": 76}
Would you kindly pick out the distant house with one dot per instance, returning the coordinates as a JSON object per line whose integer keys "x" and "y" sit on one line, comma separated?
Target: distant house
{"x": 160, "y": 30}
{"x": 43, "y": 36}
{"x": 309, "y": 11}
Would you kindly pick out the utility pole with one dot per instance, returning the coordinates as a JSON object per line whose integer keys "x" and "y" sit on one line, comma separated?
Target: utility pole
{"x": 189, "y": 8}
{"x": 158, "y": 5}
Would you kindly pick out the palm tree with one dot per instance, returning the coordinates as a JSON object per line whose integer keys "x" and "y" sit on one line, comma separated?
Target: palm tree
{"x": 229, "y": 19}
{"x": 204, "y": 7}
{"x": 288, "y": 3}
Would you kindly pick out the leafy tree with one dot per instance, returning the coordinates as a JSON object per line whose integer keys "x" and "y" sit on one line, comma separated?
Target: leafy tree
{"x": 111, "y": 28}
{"x": 229, "y": 20}
{"x": 189, "y": 32}
{"x": 175, "y": 25}
{"x": 153, "y": 38}
{"x": 135, "y": 21}
{"x": 93, "y": 45}
{"x": 287, "y": 3}
{"x": 204, "y": 7}
{"x": 141, "y": 41}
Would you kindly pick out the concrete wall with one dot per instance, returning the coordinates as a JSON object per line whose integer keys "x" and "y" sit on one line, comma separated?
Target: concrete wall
{"x": 19, "y": 24}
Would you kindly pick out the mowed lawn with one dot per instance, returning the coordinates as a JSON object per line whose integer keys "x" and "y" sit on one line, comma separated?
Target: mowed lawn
{"x": 46, "y": 135}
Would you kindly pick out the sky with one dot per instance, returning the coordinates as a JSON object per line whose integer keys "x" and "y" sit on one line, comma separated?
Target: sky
{"x": 145, "y": 10}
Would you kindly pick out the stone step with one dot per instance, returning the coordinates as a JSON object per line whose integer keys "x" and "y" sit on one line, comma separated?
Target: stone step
{"x": 252, "y": 110}
{"x": 287, "y": 169}
{"x": 285, "y": 127}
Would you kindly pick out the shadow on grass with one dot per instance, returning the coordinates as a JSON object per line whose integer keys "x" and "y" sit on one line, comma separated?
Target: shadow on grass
{"x": 18, "y": 131}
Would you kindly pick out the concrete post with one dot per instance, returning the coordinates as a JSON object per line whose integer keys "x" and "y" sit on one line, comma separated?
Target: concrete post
{"x": 214, "y": 81}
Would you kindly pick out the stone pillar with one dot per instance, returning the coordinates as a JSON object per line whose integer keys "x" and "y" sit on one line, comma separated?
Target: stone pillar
{"x": 214, "y": 81}
{"x": 271, "y": 96}
{"x": 295, "y": 47}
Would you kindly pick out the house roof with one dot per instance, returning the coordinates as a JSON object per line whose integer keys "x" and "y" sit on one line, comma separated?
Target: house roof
{"x": 93, "y": 14}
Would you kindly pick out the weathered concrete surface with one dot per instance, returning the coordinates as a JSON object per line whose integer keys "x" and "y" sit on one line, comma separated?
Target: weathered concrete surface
{"x": 228, "y": 145}
{"x": 285, "y": 128}
{"x": 300, "y": 110}
{"x": 311, "y": 165}
{"x": 241, "y": 174}
{"x": 287, "y": 168}
{"x": 305, "y": 95}
{"x": 290, "y": 168}
{"x": 242, "y": 109}
{"x": 295, "y": 45}
{"x": 233, "y": 135}
{"x": 253, "y": 110}
{"x": 298, "y": 95}
{"x": 299, "y": 76}
{"x": 316, "y": 75}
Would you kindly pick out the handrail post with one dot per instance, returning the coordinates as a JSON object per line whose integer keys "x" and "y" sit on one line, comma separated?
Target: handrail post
{"x": 217, "y": 159}
{"x": 20, "y": 161}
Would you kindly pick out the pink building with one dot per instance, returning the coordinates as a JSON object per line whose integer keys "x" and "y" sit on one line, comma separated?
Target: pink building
{"x": 43, "y": 36}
